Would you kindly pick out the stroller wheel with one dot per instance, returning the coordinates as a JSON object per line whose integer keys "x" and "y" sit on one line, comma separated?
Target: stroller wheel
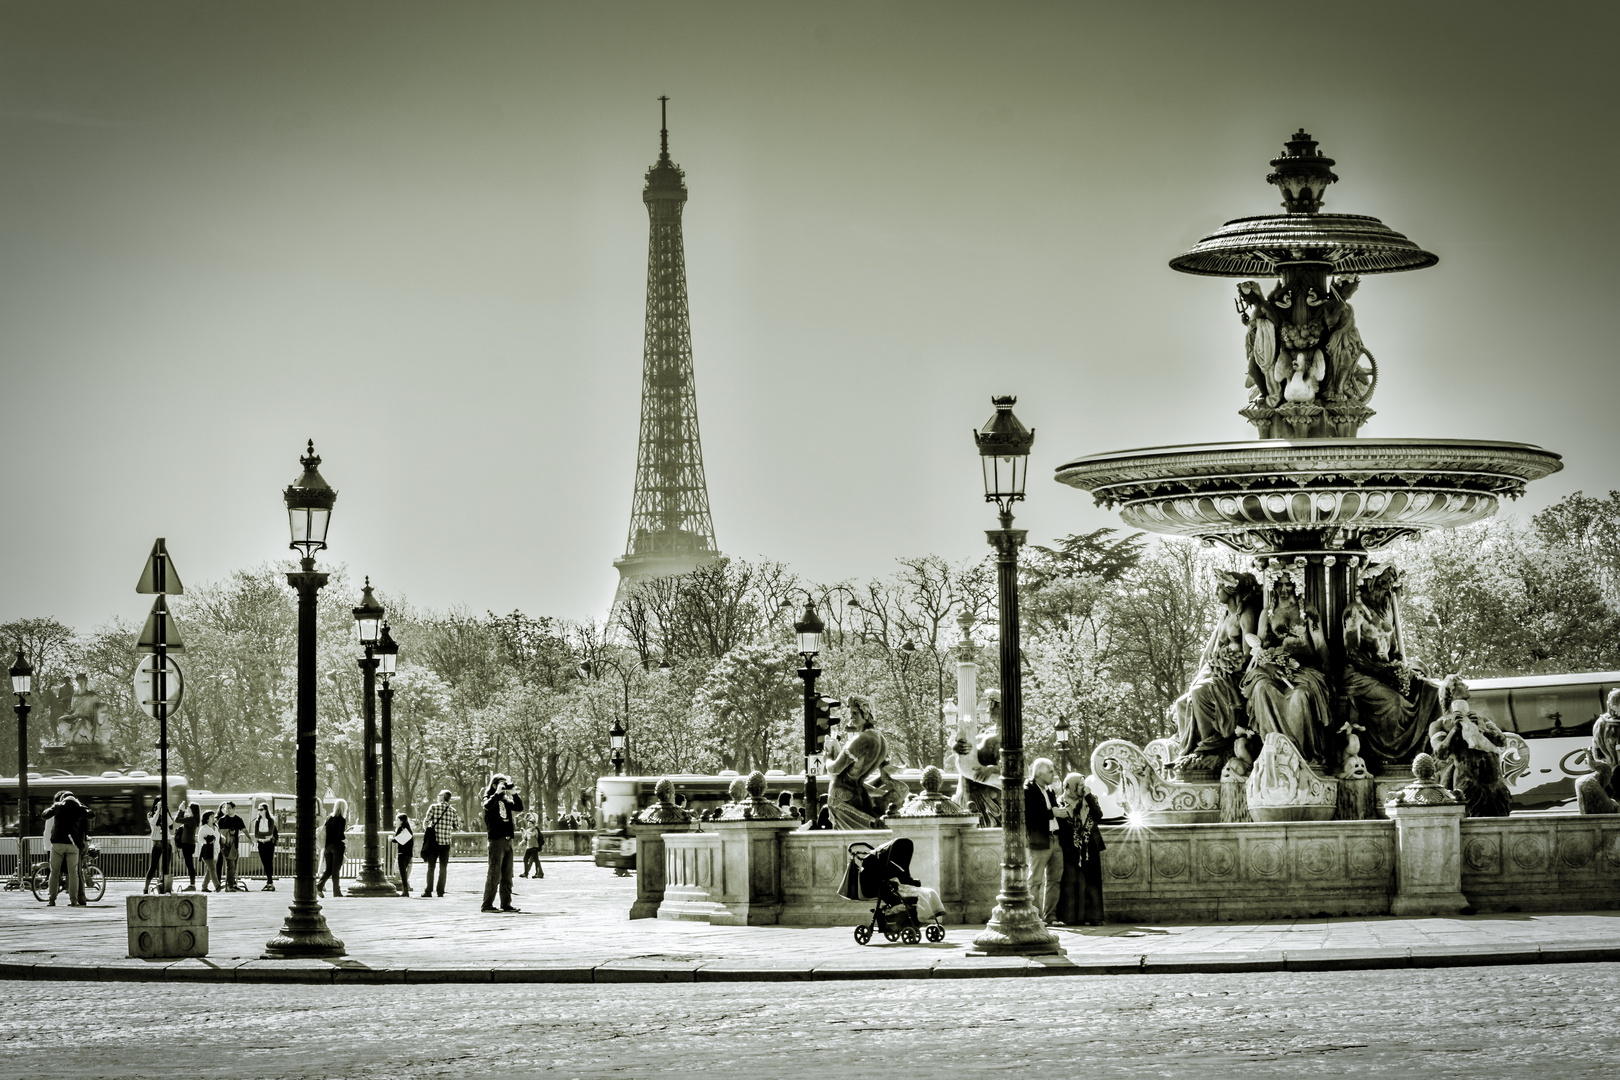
{"x": 911, "y": 935}
{"x": 863, "y": 934}
{"x": 935, "y": 932}
{"x": 891, "y": 935}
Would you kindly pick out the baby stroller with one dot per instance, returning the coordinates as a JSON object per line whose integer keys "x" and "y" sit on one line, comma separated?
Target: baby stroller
{"x": 876, "y": 873}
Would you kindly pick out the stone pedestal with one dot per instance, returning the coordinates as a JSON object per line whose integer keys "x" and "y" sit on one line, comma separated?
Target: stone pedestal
{"x": 167, "y": 926}
{"x": 1428, "y": 860}
{"x": 650, "y": 868}
{"x": 750, "y": 871}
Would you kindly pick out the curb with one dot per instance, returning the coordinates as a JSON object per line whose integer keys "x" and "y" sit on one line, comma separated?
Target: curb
{"x": 635, "y": 970}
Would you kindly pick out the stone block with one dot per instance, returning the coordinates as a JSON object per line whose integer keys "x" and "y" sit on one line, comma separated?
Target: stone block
{"x": 162, "y": 925}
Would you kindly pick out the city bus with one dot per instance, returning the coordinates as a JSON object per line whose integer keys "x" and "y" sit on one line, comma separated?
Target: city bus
{"x": 1553, "y": 714}
{"x": 119, "y": 803}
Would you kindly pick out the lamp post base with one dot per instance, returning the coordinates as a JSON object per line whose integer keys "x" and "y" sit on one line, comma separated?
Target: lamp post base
{"x": 373, "y": 882}
{"x": 1015, "y": 929}
{"x": 303, "y": 936}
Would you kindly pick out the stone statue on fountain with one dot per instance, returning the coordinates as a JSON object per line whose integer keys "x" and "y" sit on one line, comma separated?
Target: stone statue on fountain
{"x": 1468, "y": 749}
{"x": 1286, "y": 685}
{"x": 1598, "y": 792}
{"x": 1393, "y": 702}
{"x": 1209, "y": 714}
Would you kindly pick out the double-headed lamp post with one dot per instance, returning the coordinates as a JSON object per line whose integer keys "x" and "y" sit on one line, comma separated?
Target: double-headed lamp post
{"x": 1015, "y": 926}
{"x": 1061, "y": 731}
{"x": 309, "y": 511}
{"x": 387, "y": 651}
{"x": 809, "y": 629}
{"x": 368, "y": 619}
{"x": 22, "y": 684}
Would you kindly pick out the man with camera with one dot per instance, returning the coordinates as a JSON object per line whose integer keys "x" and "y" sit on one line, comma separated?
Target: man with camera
{"x": 502, "y": 804}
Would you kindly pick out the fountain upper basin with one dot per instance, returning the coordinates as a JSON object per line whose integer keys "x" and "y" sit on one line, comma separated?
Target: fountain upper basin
{"x": 1277, "y": 494}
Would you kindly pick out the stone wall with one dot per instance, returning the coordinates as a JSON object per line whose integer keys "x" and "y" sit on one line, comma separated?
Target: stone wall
{"x": 1174, "y": 873}
{"x": 1541, "y": 863}
{"x": 1254, "y": 870}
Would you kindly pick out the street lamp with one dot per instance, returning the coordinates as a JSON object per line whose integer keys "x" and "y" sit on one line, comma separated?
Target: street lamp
{"x": 809, "y": 629}
{"x": 368, "y": 618}
{"x": 1061, "y": 730}
{"x": 1015, "y": 926}
{"x": 387, "y": 651}
{"x": 590, "y": 667}
{"x": 616, "y": 740}
{"x": 22, "y": 684}
{"x": 309, "y": 502}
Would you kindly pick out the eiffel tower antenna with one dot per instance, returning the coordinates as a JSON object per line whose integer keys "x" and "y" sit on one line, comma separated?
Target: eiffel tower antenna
{"x": 671, "y": 531}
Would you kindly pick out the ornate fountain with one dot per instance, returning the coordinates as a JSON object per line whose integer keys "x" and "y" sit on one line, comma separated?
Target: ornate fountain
{"x": 1305, "y": 706}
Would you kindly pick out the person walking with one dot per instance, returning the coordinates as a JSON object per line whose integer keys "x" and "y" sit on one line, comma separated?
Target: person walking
{"x": 439, "y": 826}
{"x": 1080, "y": 891}
{"x": 404, "y": 841}
{"x": 160, "y": 847}
{"x": 185, "y": 840}
{"x": 265, "y": 832}
{"x": 533, "y": 841}
{"x": 208, "y": 851}
{"x": 334, "y": 846}
{"x": 1041, "y": 822}
{"x": 501, "y": 806}
{"x": 70, "y": 831}
{"x": 231, "y": 827}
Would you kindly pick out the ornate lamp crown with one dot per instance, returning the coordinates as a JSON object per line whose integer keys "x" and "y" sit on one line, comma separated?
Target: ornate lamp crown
{"x": 1303, "y": 173}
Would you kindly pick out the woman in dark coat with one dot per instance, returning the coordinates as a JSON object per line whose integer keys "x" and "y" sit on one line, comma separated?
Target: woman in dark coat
{"x": 1080, "y": 901}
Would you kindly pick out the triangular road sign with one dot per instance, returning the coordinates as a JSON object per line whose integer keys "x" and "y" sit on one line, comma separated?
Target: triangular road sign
{"x": 159, "y": 631}
{"x": 160, "y": 575}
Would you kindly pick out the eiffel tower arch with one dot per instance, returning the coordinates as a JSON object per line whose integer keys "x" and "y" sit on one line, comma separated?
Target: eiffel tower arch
{"x": 671, "y": 531}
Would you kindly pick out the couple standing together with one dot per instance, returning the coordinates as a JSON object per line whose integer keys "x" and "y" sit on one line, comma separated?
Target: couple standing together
{"x": 1063, "y": 847}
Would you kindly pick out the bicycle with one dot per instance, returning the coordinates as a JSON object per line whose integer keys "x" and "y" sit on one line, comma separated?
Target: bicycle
{"x": 90, "y": 875}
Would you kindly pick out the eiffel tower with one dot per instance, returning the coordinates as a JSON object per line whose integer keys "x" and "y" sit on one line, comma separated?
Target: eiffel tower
{"x": 671, "y": 531}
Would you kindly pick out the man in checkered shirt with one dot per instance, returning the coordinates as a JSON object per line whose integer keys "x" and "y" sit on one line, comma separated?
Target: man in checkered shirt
{"x": 443, "y": 819}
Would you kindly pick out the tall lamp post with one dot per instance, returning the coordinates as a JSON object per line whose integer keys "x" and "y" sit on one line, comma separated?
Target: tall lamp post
{"x": 1015, "y": 926}
{"x": 809, "y": 629}
{"x": 387, "y": 661}
{"x": 592, "y": 666}
{"x": 22, "y": 684}
{"x": 616, "y": 741}
{"x": 309, "y": 511}
{"x": 1061, "y": 731}
{"x": 368, "y": 619}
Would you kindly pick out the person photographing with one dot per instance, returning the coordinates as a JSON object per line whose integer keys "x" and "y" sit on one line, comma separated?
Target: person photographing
{"x": 502, "y": 804}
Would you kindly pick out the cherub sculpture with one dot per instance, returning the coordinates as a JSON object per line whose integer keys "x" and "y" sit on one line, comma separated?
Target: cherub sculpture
{"x": 1468, "y": 749}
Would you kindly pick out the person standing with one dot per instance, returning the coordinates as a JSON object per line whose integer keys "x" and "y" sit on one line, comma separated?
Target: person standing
{"x": 265, "y": 833}
{"x": 185, "y": 840}
{"x": 439, "y": 827}
{"x": 334, "y": 846}
{"x": 1041, "y": 822}
{"x": 160, "y": 845}
{"x": 501, "y": 806}
{"x": 404, "y": 842}
{"x": 533, "y": 840}
{"x": 1080, "y": 891}
{"x": 231, "y": 827}
{"x": 70, "y": 831}
{"x": 208, "y": 851}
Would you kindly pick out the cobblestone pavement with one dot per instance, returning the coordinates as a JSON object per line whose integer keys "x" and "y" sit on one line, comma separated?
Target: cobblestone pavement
{"x": 577, "y": 914}
{"x": 1524, "y": 1022}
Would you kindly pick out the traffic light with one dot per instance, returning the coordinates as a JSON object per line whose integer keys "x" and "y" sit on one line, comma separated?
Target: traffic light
{"x": 823, "y": 717}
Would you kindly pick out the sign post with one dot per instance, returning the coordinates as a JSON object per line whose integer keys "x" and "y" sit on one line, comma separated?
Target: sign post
{"x": 159, "y": 685}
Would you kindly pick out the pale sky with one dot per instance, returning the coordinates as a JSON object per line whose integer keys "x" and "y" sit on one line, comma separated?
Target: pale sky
{"x": 414, "y": 233}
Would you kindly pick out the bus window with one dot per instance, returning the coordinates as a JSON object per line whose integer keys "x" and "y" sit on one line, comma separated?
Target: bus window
{"x": 1555, "y": 712}
{"x": 1493, "y": 704}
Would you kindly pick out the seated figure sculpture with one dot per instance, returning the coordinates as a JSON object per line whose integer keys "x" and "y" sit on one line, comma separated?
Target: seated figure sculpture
{"x": 1394, "y": 704}
{"x": 1209, "y": 714}
{"x": 1468, "y": 750}
{"x": 82, "y": 721}
{"x": 1286, "y": 685}
{"x": 851, "y": 803}
{"x": 976, "y": 755}
{"x": 1598, "y": 792}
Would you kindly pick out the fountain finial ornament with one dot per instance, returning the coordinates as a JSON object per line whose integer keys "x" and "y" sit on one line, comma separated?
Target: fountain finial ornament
{"x": 1303, "y": 173}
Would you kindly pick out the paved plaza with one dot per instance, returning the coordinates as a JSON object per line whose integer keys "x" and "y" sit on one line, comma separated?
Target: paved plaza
{"x": 574, "y": 928}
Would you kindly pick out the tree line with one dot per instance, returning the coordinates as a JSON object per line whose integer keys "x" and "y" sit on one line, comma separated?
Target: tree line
{"x": 700, "y": 669}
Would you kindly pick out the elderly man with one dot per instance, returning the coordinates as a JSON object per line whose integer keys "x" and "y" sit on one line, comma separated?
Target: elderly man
{"x": 1041, "y": 849}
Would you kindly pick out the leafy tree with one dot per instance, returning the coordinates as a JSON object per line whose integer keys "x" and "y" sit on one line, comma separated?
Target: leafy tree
{"x": 749, "y": 697}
